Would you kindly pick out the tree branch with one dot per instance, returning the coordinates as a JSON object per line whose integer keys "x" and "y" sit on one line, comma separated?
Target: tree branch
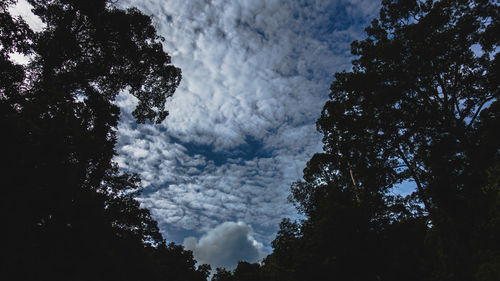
{"x": 413, "y": 173}
{"x": 481, "y": 105}
{"x": 356, "y": 188}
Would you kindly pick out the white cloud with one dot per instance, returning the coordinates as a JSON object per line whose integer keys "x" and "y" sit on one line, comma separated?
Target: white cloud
{"x": 255, "y": 70}
{"x": 252, "y": 71}
{"x": 250, "y": 66}
{"x": 225, "y": 245}
{"x": 23, "y": 9}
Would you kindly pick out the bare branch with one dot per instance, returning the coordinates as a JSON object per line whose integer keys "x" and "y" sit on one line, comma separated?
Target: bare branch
{"x": 356, "y": 188}
{"x": 415, "y": 177}
{"x": 479, "y": 109}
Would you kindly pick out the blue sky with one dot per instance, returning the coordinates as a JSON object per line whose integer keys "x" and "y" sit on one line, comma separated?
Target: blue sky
{"x": 256, "y": 73}
{"x": 242, "y": 123}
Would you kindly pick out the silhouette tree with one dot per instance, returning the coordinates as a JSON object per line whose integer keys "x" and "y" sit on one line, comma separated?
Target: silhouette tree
{"x": 244, "y": 271}
{"x": 420, "y": 107}
{"x": 70, "y": 213}
{"x": 222, "y": 274}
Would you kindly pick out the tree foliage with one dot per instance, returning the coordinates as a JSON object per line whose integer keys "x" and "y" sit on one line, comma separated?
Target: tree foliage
{"x": 70, "y": 214}
{"x": 419, "y": 107}
{"x": 244, "y": 271}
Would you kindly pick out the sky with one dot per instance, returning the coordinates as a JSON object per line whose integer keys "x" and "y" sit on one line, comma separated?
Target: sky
{"x": 256, "y": 74}
{"x": 241, "y": 128}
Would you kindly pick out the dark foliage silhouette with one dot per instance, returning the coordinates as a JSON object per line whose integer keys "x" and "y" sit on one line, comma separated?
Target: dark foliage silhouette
{"x": 69, "y": 213}
{"x": 244, "y": 272}
{"x": 419, "y": 107}
{"x": 222, "y": 274}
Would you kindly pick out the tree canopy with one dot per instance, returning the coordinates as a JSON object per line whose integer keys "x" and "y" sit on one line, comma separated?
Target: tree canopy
{"x": 419, "y": 108}
{"x": 70, "y": 213}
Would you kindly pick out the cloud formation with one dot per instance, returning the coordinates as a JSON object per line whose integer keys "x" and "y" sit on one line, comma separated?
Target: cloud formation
{"x": 225, "y": 245}
{"x": 23, "y": 9}
{"x": 242, "y": 123}
{"x": 256, "y": 74}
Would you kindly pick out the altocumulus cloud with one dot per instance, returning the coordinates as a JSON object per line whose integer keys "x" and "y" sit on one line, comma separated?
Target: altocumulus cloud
{"x": 225, "y": 245}
{"x": 241, "y": 127}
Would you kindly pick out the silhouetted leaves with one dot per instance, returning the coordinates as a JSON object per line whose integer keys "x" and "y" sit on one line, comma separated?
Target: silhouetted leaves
{"x": 70, "y": 214}
{"x": 243, "y": 272}
{"x": 419, "y": 107}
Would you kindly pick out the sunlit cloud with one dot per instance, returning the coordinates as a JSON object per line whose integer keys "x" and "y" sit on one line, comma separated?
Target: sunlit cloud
{"x": 242, "y": 123}
{"x": 225, "y": 245}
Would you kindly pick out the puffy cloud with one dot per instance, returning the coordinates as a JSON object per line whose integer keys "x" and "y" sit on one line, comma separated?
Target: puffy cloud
{"x": 23, "y": 9}
{"x": 256, "y": 74}
{"x": 225, "y": 245}
{"x": 251, "y": 67}
{"x": 242, "y": 123}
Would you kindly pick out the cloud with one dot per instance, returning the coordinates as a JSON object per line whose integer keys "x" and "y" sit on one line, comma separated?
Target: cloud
{"x": 242, "y": 122}
{"x": 251, "y": 67}
{"x": 23, "y": 9}
{"x": 225, "y": 245}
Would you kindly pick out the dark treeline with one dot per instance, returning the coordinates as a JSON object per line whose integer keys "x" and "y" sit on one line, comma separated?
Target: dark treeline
{"x": 68, "y": 213}
{"x": 419, "y": 107}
